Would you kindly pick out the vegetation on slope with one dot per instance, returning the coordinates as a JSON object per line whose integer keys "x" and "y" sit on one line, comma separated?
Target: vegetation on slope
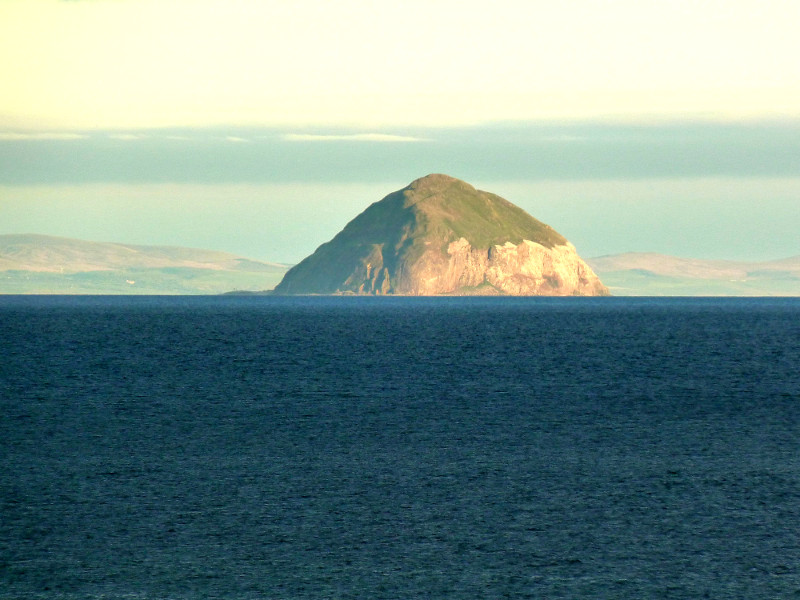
{"x": 483, "y": 219}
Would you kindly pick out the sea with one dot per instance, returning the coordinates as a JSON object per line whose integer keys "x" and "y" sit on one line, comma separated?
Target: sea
{"x": 257, "y": 447}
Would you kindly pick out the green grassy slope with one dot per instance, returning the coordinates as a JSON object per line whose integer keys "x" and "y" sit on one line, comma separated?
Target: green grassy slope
{"x": 482, "y": 218}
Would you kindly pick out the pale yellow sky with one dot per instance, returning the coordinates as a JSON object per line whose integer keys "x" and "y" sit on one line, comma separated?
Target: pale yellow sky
{"x": 129, "y": 64}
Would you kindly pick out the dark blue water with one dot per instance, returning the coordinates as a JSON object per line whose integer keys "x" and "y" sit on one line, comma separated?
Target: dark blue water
{"x": 399, "y": 448}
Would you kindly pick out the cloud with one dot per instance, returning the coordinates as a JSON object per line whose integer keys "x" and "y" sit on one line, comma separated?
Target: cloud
{"x": 564, "y": 138}
{"x": 127, "y": 137}
{"x": 355, "y": 137}
{"x": 511, "y": 151}
{"x": 18, "y": 136}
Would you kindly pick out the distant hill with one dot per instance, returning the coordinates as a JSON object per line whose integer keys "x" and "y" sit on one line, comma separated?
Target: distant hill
{"x": 650, "y": 274}
{"x": 41, "y": 264}
{"x": 440, "y": 235}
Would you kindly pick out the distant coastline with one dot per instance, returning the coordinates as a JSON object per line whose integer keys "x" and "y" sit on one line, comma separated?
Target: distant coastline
{"x": 37, "y": 264}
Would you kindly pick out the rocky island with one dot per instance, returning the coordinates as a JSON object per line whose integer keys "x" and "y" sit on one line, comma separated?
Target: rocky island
{"x": 441, "y": 236}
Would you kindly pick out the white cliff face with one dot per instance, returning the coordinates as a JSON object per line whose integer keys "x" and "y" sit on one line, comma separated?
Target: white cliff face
{"x": 526, "y": 269}
{"x": 532, "y": 269}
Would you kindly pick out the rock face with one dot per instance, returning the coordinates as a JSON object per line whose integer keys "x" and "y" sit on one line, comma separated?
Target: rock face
{"x": 441, "y": 236}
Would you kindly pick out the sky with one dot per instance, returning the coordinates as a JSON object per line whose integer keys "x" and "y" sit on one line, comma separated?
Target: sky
{"x": 263, "y": 127}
